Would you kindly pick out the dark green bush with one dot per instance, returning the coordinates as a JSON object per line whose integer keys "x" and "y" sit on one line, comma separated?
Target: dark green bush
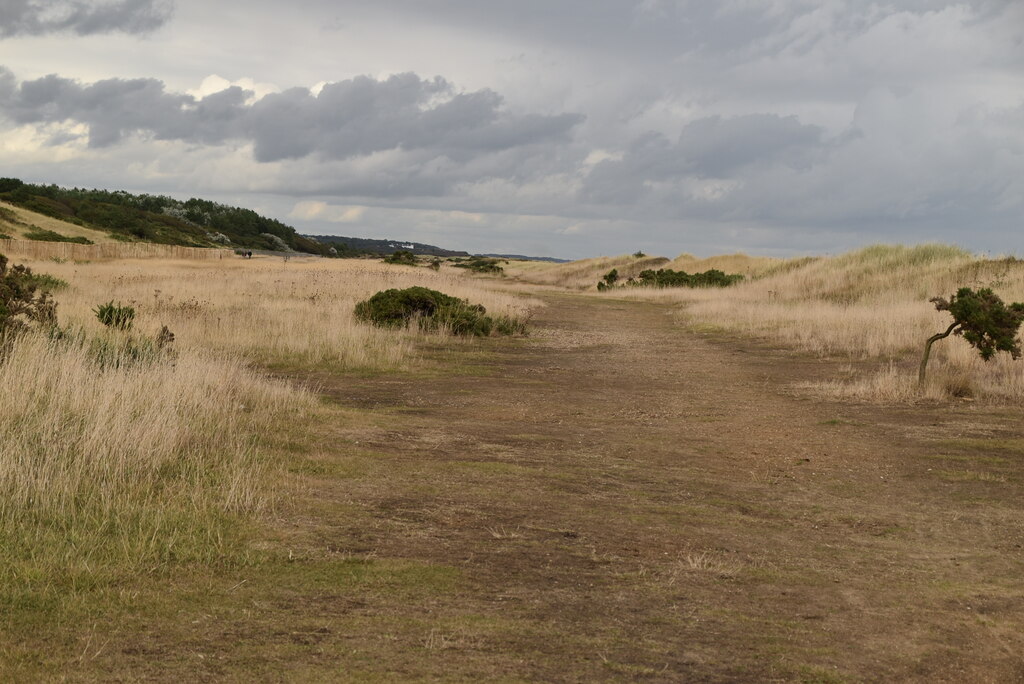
{"x": 666, "y": 277}
{"x": 482, "y": 265}
{"x": 43, "y": 235}
{"x": 432, "y": 311}
{"x": 115, "y": 316}
{"x": 22, "y": 300}
{"x": 402, "y": 257}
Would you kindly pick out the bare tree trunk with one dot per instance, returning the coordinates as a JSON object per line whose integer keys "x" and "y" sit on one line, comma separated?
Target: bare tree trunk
{"x": 928, "y": 350}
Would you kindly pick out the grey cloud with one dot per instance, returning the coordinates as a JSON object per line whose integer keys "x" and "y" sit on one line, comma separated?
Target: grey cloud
{"x": 711, "y": 147}
{"x": 39, "y": 17}
{"x": 352, "y": 118}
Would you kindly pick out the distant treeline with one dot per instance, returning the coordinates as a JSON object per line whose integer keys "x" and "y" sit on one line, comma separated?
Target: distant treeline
{"x": 160, "y": 219}
{"x": 371, "y": 246}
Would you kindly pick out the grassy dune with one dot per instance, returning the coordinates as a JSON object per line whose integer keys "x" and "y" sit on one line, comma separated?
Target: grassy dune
{"x": 582, "y": 274}
{"x": 867, "y": 304}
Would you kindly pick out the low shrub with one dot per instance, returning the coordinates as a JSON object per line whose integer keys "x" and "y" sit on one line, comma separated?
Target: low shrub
{"x": 482, "y": 265}
{"x": 402, "y": 257}
{"x": 432, "y": 311}
{"x": 43, "y": 235}
{"x": 666, "y": 277}
{"x": 115, "y": 316}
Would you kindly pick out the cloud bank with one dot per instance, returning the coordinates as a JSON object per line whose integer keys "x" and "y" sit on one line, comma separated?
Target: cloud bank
{"x": 352, "y": 118}
{"x": 38, "y": 17}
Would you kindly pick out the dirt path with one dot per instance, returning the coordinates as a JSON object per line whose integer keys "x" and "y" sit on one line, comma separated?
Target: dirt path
{"x": 616, "y": 498}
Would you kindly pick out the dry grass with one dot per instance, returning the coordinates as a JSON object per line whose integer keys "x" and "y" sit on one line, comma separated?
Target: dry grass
{"x": 583, "y": 274}
{"x": 750, "y": 267}
{"x": 267, "y": 310}
{"x": 111, "y": 466}
{"x": 872, "y": 303}
{"x": 119, "y": 458}
{"x": 867, "y": 304}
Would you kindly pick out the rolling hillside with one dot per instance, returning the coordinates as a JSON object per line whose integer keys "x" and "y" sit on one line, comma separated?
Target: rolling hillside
{"x": 117, "y": 215}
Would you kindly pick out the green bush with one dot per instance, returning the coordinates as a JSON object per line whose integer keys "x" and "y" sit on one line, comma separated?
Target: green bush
{"x": 402, "y": 257}
{"x": 22, "y": 300}
{"x": 43, "y": 235}
{"x": 47, "y": 282}
{"x": 115, "y": 316}
{"x": 482, "y": 265}
{"x": 432, "y": 311}
{"x": 666, "y": 277}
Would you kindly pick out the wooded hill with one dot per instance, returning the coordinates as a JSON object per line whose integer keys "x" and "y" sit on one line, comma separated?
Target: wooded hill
{"x": 160, "y": 219}
{"x": 371, "y": 246}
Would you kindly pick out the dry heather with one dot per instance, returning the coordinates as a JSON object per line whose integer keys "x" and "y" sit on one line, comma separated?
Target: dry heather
{"x": 267, "y": 310}
{"x": 868, "y": 304}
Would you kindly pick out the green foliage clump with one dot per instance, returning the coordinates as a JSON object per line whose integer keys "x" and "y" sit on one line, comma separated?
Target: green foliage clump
{"x": 981, "y": 318}
{"x": 482, "y": 265}
{"x": 22, "y": 300}
{"x": 666, "y": 277}
{"x": 115, "y": 316}
{"x": 155, "y": 218}
{"x": 435, "y": 264}
{"x": 43, "y": 235}
{"x": 401, "y": 257}
{"x": 608, "y": 280}
{"x": 432, "y": 310}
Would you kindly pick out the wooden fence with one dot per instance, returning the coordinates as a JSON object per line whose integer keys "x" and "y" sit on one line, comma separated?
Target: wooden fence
{"x": 35, "y": 249}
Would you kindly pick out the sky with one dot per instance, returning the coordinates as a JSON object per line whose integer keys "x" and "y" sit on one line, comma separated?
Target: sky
{"x": 565, "y": 128}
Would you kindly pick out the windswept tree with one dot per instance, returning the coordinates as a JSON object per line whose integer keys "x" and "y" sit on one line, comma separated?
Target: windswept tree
{"x": 982, "y": 319}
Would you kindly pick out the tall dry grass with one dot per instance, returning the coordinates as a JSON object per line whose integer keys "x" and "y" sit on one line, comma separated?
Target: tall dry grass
{"x": 267, "y": 310}
{"x": 112, "y": 465}
{"x": 117, "y": 457}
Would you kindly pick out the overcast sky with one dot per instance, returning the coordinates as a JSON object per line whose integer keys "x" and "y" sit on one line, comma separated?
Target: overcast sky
{"x": 566, "y": 128}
